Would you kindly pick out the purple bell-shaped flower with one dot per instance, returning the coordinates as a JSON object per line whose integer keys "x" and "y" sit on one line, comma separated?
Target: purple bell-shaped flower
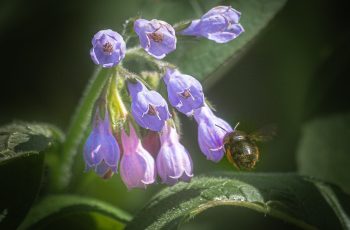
{"x": 137, "y": 167}
{"x": 101, "y": 150}
{"x": 211, "y": 133}
{"x": 157, "y": 37}
{"x": 148, "y": 107}
{"x": 185, "y": 92}
{"x": 220, "y": 24}
{"x": 173, "y": 161}
{"x": 108, "y": 48}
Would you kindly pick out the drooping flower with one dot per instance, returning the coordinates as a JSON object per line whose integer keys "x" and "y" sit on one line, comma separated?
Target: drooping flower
{"x": 173, "y": 161}
{"x": 185, "y": 92}
{"x": 137, "y": 167}
{"x": 148, "y": 107}
{"x": 220, "y": 24}
{"x": 211, "y": 133}
{"x": 101, "y": 150}
{"x": 157, "y": 37}
{"x": 108, "y": 48}
{"x": 151, "y": 142}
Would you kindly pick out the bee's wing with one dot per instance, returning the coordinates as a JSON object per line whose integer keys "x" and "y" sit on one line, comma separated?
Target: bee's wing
{"x": 266, "y": 133}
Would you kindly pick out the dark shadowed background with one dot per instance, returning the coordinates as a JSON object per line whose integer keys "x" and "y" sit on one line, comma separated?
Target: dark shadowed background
{"x": 295, "y": 71}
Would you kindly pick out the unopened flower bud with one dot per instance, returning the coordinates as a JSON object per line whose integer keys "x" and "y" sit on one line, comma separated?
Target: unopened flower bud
{"x": 220, "y": 24}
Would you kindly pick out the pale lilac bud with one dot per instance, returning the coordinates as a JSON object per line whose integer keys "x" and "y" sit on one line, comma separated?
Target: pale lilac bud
{"x": 220, "y": 24}
{"x": 101, "y": 150}
{"x": 185, "y": 92}
{"x": 173, "y": 161}
{"x": 211, "y": 133}
{"x": 156, "y": 37}
{"x": 108, "y": 48}
{"x": 148, "y": 107}
{"x": 137, "y": 167}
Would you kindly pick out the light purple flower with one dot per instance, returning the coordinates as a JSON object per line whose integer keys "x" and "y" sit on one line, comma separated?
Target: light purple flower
{"x": 148, "y": 107}
{"x": 137, "y": 167}
{"x": 101, "y": 150}
{"x": 173, "y": 161}
{"x": 185, "y": 92}
{"x": 211, "y": 133}
{"x": 108, "y": 48}
{"x": 220, "y": 24}
{"x": 156, "y": 37}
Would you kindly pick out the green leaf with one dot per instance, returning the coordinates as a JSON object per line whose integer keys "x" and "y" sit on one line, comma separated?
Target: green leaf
{"x": 77, "y": 211}
{"x": 296, "y": 200}
{"x": 207, "y": 60}
{"x": 22, "y": 150}
{"x": 324, "y": 152}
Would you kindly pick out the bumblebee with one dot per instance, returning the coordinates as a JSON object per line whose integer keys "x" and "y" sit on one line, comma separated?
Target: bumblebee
{"x": 241, "y": 149}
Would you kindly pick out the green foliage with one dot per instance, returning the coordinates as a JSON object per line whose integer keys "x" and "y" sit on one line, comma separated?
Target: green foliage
{"x": 22, "y": 151}
{"x": 58, "y": 209}
{"x": 207, "y": 60}
{"x": 324, "y": 151}
{"x": 294, "y": 199}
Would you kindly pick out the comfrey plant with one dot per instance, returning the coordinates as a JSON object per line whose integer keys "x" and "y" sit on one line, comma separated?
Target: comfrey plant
{"x": 127, "y": 123}
{"x": 134, "y": 110}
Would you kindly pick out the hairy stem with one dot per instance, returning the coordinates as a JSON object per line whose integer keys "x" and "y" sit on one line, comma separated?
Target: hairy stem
{"x": 139, "y": 53}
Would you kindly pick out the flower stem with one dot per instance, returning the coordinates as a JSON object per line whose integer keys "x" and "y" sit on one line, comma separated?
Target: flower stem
{"x": 79, "y": 124}
{"x": 138, "y": 52}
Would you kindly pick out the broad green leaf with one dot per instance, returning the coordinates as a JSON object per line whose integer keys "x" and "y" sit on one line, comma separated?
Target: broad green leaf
{"x": 324, "y": 151}
{"x": 204, "y": 59}
{"x": 112, "y": 191}
{"x": 22, "y": 150}
{"x": 299, "y": 201}
{"x": 77, "y": 211}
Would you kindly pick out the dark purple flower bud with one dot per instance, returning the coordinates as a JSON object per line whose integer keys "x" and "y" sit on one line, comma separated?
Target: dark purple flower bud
{"x": 108, "y": 48}
{"x": 211, "y": 133}
{"x": 148, "y": 107}
{"x": 151, "y": 142}
{"x": 219, "y": 24}
{"x": 137, "y": 167}
{"x": 173, "y": 161}
{"x": 185, "y": 92}
{"x": 156, "y": 37}
{"x": 101, "y": 150}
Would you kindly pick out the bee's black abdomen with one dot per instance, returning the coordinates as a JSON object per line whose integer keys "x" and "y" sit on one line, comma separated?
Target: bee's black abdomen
{"x": 245, "y": 154}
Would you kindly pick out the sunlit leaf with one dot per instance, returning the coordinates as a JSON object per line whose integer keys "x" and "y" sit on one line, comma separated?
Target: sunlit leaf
{"x": 297, "y": 200}
{"x": 22, "y": 150}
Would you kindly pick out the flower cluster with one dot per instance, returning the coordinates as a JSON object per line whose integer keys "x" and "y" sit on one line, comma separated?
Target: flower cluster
{"x": 160, "y": 151}
{"x": 158, "y": 38}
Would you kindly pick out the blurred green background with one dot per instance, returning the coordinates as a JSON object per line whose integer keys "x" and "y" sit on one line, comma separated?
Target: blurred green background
{"x": 293, "y": 72}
